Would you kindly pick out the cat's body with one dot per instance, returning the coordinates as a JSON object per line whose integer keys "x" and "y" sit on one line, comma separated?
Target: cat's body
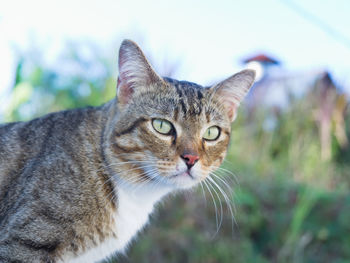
{"x": 76, "y": 186}
{"x": 31, "y": 153}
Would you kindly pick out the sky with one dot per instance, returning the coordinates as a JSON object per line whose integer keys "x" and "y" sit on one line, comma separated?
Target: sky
{"x": 207, "y": 39}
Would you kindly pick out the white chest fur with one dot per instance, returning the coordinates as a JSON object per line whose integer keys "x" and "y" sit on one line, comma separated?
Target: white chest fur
{"x": 133, "y": 210}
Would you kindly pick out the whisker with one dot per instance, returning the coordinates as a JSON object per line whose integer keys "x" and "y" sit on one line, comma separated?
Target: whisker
{"x": 219, "y": 199}
{"x": 203, "y": 193}
{"x": 222, "y": 181}
{"x": 228, "y": 201}
{"x": 235, "y": 177}
{"x": 212, "y": 196}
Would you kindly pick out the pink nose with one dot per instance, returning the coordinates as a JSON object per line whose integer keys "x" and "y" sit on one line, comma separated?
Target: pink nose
{"x": 190, "y": 159}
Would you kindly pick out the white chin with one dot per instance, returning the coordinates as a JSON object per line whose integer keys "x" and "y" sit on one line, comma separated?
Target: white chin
{"x": 184, "y": 182}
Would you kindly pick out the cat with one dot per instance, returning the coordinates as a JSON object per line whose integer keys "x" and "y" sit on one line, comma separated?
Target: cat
{"x": 77, "y": 185}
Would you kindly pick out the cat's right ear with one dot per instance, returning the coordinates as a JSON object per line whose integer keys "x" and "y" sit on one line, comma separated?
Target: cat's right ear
{"x": 135, "y": 72}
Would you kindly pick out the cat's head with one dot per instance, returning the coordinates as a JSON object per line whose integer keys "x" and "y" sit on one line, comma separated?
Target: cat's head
{"x": 166, "y": 131}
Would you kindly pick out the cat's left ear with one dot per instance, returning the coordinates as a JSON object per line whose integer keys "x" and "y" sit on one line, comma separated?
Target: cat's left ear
{"x": 233, "y": 90}
{"x": 135, "y": 72}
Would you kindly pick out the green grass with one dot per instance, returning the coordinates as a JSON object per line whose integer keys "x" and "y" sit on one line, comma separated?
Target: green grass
{"x": 275, "y": 222}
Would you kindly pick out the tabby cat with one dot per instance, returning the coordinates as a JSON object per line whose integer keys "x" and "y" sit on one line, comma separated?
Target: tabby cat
{"x": 77, "y": 185}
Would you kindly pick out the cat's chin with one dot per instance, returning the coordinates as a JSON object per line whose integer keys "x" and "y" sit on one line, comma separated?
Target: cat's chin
{"x": 183, "y": 181}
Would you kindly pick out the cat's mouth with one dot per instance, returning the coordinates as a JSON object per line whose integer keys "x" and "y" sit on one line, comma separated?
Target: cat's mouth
{"x": 178, "y": 177}
{"x": 183, "y": 179}
{"x": 184, "y": 174}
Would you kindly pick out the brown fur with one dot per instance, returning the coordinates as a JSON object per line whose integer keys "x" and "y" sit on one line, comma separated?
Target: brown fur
{"x": 58, "y": 173}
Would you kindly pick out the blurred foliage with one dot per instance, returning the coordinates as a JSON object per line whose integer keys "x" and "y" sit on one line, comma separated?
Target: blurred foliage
{"x": 291, "y": 205}
{"x": 79, "y": 78}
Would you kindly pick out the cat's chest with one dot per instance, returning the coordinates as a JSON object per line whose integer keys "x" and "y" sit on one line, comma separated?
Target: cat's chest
{"x": 133, "y": 210}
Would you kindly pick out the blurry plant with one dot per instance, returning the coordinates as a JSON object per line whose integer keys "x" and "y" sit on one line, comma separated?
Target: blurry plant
{"x": 292, "y": 148}
{"x": 79, "y": 78}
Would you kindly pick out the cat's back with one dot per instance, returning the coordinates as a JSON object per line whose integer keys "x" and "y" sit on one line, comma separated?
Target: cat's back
{"x": 22, "y": 141}
{"x": 19, "y": 141}
{"x": 50, "y": 181}
{"x": 29, "y": 149}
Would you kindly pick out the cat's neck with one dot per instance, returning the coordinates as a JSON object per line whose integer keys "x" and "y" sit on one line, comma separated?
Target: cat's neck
{"x": 147, "y": 194}
{"x": 134, "y": 205}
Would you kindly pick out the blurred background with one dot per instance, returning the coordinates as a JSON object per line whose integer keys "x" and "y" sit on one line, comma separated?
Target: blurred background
{"x": 287, "y": 174}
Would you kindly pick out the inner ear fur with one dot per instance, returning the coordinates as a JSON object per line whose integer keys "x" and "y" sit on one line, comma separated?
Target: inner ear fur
{"x": 232, "y": 90}
{"x": 135, "y": 72}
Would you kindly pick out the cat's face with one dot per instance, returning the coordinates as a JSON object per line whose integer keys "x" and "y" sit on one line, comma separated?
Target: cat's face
{"x": 170, "y": 132}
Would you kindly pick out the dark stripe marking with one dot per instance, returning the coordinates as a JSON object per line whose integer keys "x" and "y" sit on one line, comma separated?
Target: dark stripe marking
{"x": 226, "y": 132}
{"x": 117, "y": 147}
{"x": 131, "y": 127}
{"x": 47, "y": 246}
{"x": 184, "y": 109}
{"x": 179, "y": 91}
{"x": 207, "y": 115}
{"x": 176, "y": 114}
{"x": 199, "y": 94}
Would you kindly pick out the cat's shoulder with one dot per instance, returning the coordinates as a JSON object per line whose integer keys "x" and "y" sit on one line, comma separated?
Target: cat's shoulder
{"x": 66, "y": 119}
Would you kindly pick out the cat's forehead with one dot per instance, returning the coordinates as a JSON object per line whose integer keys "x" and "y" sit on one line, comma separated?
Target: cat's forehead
{"x": 181, "y": 101}
{"x": 189, "y": 91}
{"x": 183, "y": 84}
{"x": 192, "y": 101}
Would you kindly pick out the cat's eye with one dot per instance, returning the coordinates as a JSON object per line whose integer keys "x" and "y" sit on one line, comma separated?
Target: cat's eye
{"x": 212, "y": 133}
{"x": 162, "y": 126}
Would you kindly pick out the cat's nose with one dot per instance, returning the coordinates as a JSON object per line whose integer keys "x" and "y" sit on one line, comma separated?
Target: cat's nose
{"x": 190, "y": 159}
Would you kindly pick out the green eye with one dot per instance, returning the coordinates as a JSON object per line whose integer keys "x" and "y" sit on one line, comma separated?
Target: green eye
{"x": 212, "y": 133}
{"x": 162, "y": 126}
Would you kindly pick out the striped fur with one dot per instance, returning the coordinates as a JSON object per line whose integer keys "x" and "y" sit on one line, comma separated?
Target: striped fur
{"x": 76, "y": 186}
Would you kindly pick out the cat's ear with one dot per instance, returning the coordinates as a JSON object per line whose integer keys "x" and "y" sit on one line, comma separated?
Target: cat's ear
{"x": 134, "y": 71}
{"x": 233, "y": 90}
